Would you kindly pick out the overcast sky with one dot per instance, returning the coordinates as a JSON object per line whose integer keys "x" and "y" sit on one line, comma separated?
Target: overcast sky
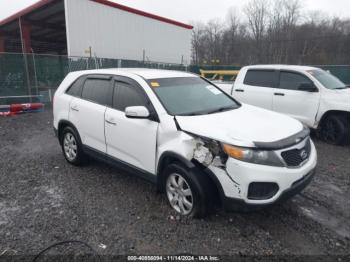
{"x": 198, "y": 10}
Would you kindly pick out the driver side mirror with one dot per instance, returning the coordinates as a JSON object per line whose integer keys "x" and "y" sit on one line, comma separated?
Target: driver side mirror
{"x": 137, "y": 112}
{"x": 308, "y": 87}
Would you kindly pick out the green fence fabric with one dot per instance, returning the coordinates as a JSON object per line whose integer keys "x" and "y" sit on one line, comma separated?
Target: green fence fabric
{"x": 34, "y": 74}
{"x": 12, "y": 75}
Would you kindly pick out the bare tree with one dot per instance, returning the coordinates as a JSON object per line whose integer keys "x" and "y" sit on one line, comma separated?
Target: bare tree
{"x": 198, "y": 35}
{"x": 213, "y": 41}
{"x": 284, "y": 18}
{"x": 231, "y": 36}
{"x": 273, "y": 32}
{"x": 257, "y": 12}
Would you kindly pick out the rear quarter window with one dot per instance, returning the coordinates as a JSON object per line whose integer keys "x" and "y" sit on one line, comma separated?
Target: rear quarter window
{"x": 263, "y": 78}
{"x": 76, "y": 88}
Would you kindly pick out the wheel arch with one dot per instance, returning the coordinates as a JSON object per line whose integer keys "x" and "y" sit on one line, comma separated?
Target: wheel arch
{"x": 62, "y": 124}
{"x": 328, "y": 113}
{"x": 169, "y": 157}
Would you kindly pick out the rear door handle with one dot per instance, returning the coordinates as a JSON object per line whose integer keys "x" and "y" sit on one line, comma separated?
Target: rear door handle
{"x": 278, "y": 94}
{"x": 239, "y": 90}
{"x": 75, "y": 108}
{"x": 111, "y": 122}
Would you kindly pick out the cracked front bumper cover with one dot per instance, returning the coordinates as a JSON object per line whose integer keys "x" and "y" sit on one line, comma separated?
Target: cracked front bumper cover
{"x": 234, "y": 204}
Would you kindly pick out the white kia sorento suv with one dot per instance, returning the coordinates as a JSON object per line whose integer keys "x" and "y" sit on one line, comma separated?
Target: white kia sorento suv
{"x": 181, "y": 132}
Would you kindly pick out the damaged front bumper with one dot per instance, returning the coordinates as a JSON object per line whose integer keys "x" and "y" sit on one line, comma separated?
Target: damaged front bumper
{"x": 236, "y": 204}
{"x": 244, "y": 186}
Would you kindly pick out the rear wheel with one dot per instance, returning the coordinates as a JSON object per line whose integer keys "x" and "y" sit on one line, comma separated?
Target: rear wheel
{"x": 186, "y": 191}
{"x": 335, "y": 130}
{"x": 72, "y": 147}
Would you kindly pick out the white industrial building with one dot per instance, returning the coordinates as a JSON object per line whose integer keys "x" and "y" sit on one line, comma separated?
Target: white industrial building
{"x": 96, "y": 28}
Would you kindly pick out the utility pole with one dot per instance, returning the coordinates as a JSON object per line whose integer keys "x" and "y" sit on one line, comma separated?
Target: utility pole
{"x": 25, "y": 60}
{"x": 35, "y": 74}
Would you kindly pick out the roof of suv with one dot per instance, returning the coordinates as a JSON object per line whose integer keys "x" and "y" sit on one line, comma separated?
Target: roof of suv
{"x": 143, "y": 72}
{"x": 290, "y": 67}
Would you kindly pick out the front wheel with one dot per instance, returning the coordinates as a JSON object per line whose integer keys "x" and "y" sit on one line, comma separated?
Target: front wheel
{"x": 186, "y": 191}
{"x": 335, "y": 130}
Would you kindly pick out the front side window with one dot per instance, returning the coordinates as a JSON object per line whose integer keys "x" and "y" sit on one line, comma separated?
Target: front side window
{"x": 191, "y": 96}
{"x": 98, "y": 91}
{"x": 292, "y": 81}
{"x": 263, "y": 78}
{"x": 327, "y": 79}
{"x": 126, "y": 95}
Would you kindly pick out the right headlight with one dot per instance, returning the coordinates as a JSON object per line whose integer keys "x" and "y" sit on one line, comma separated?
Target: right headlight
{"x": 254, "y": 156}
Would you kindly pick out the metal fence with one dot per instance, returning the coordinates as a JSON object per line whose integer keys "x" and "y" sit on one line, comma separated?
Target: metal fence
{"x": 24, "y": 77}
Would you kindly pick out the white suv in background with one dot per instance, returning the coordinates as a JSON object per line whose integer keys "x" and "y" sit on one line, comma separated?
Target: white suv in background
{"x": 315, "y": 97}
{"x": 182, "y": 133}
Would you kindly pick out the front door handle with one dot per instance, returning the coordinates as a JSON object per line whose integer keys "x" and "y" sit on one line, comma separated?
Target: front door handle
{"x": 278, "y": 94}
{"x": 111, "y": 122}
{"x": 75, "y": 108}
{"x": 239, "y": 90}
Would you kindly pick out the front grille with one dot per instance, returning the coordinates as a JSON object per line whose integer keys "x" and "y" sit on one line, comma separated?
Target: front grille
{"x": 296, "y": 157}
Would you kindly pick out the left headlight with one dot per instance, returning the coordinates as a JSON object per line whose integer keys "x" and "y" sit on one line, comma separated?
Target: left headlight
{"x": 254, "y": 156}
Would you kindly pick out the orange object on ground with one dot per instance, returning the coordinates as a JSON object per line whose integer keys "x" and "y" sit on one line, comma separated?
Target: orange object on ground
{"x": 8, "y": 114}
{"x": 26, "y": 107}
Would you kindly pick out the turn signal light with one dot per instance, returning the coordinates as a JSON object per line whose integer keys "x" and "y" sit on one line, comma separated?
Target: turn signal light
{"x": 234, "y": 152}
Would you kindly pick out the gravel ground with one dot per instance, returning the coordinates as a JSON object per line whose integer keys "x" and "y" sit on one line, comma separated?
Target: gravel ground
{"x": 44, "y": 200}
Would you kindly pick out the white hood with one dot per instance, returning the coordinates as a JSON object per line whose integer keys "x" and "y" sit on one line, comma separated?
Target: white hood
{"x": 242, "y": 126}
{"x": 341, "y": 95}
{"x": 336, "y": 100}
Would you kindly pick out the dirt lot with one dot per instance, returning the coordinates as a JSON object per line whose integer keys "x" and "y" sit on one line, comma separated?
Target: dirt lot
{"x": 44, "y": 200}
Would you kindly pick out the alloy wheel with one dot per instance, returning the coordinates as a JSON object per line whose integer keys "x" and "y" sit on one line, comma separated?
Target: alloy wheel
{"x": 179, "y": 194}
{"x": 70, "y": 146}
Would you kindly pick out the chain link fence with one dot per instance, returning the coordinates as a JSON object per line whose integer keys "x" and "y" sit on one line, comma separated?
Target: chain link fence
{"x": 32, "y": 77}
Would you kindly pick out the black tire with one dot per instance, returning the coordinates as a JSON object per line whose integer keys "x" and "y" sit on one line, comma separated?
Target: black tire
{"x": 335, "y": 130}
{"x": 80, "y": 157}
{"x": 197, "y": 183}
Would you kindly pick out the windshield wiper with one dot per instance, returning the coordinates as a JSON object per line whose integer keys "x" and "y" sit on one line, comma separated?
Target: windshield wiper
{"x": 342, "y": 87}
{"x": 191, "y": 114}
{"x": 221, "y": 109}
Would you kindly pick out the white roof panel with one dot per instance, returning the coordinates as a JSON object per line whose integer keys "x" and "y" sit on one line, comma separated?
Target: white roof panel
{"x": 286, "y": 67}
{"x": 143, "y": 72}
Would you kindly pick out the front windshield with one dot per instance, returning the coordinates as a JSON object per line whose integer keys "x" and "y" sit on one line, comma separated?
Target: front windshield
{"x": 191, "y": 96}
{"x": 327, "y": 79}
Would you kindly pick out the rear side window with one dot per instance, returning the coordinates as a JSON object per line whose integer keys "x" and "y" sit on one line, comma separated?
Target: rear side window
{"x": 98, "y": 91}
{"x": 76, "y": 87}
{"x": 126, "y": 95}
{"x": 265, "y": 78}
{"x": 292, "y": 81}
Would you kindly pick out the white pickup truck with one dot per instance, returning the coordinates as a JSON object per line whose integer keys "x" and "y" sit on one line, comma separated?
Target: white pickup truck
{"x": 315, "y": 97}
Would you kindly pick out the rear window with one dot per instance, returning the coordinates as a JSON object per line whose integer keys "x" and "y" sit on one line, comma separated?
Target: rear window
{"x": 98, "y": 90}
{"x": 265, "y": 78}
